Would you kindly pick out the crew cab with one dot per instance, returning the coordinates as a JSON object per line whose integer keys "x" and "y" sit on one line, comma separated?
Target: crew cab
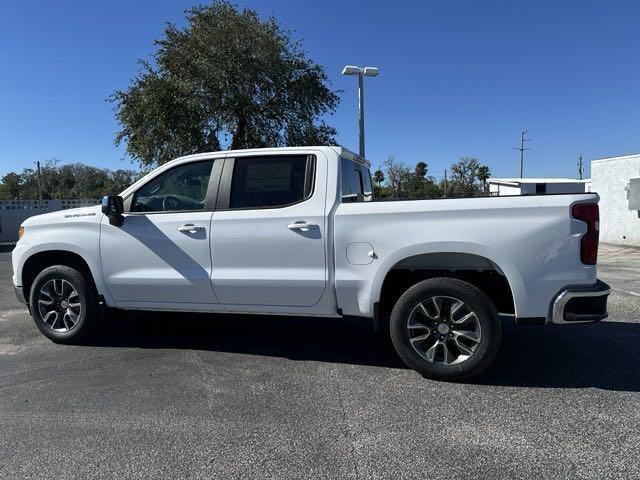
{"x": 296, "y": 231}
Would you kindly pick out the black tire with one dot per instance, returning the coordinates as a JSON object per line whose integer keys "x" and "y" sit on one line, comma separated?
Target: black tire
{"x": 445, "y": 290}
{"x": 88, "y": 316}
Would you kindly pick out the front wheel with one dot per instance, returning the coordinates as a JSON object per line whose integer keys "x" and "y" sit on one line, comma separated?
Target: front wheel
{"x": 63, "y": 304}
{"x": 446, "y": 329}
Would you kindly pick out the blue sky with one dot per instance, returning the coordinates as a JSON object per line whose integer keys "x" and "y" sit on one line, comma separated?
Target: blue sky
{"x": 458, "y": 78}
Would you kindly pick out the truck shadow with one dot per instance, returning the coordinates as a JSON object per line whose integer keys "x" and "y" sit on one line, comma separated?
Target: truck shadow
{"x": 295, "y": 338}
{"x": 605, "y": 355}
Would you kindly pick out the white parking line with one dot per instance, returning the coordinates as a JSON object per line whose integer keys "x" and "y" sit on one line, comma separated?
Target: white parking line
{"x": 626, "y": 291}
{"x": 10, "y": 313}
{"x": 8, "y": 349}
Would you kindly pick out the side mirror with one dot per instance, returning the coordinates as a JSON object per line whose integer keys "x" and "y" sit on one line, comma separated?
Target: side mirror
{"x": 113, "y": 207}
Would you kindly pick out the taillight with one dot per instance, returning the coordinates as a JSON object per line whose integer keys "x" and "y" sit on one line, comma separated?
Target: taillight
{"x": 588, "y": 213}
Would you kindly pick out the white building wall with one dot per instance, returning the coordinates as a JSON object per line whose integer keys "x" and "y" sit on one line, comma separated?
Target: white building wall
{"x": 610, "y": 178}
{"x": 14, "y": 212}
{"x": 528, "y": 186}
{"x": 554, "y": 187}
{"x": 497, "y": 189}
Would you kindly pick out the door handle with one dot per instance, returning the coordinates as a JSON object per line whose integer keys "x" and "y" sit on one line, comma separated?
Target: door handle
{"x": 190, "y": 228}
{"x": 302, "y": 226}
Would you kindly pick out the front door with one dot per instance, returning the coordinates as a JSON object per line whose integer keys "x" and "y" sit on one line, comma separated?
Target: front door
{"x": 268, "y": 232}
{"x": 161, "y": 253}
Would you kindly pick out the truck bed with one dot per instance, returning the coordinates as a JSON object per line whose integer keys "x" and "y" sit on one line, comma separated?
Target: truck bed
{"x": 532, "y": 240}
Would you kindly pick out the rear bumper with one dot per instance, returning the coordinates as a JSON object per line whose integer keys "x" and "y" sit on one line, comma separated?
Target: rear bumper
{"x": 580, "y": 304}
{"x": 19, "y": 294}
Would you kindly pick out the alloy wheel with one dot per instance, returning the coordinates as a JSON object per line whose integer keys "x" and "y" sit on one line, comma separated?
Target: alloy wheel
{"x": 444, "y": 330}
{"x": 59, "y": 305}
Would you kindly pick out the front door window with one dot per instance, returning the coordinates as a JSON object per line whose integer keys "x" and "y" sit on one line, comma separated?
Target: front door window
{"x": 183, "y": 188}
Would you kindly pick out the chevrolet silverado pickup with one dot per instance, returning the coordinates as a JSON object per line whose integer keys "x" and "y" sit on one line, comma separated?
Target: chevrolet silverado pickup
{"x": 296, "y": 231}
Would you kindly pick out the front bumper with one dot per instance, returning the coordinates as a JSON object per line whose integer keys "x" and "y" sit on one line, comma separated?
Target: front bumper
{"x": 20, "y": 294}
{"x": 580, "y": 304}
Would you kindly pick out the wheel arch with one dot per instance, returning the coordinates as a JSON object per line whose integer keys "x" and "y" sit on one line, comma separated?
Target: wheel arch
{"x": 38, "y": 261}
{"x": 467, "y": 261}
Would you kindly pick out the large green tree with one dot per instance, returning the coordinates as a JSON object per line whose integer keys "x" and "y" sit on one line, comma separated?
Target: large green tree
{"x": 228, "y": 79}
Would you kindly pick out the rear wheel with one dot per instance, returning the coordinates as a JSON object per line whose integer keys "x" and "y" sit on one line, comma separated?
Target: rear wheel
{"x": 446, "y": 329}
{"x": 63, "y": 304}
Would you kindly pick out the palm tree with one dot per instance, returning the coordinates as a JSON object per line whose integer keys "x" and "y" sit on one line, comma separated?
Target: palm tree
{"x": 378, "y": 177}
{"x": 421, "y": 169}
{"x": 483, "y": 175}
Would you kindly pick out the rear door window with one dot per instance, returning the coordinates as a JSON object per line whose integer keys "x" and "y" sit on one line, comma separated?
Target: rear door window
{"x": 271, "y": 182}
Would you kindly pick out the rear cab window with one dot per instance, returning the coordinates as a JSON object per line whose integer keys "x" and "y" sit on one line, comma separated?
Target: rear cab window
{"x": 356, "y": 181}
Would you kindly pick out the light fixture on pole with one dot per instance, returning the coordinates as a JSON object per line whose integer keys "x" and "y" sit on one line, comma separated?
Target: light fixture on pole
{"x": 361, "y": 72}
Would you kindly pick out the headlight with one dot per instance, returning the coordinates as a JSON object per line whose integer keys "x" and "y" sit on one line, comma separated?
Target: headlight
{"x": 20, "y": 232}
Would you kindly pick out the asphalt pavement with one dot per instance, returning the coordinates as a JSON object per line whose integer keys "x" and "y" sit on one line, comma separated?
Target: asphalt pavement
{"x": 196, "y": 396}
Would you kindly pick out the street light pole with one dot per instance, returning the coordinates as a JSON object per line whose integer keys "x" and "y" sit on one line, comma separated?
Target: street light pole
{"x": 361, "y": 72}
{"x": 361, "y": 112}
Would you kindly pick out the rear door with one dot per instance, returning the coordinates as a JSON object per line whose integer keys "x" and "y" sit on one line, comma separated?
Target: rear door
{"x": 161, "y": 253}
{"x": 269, "y": 229}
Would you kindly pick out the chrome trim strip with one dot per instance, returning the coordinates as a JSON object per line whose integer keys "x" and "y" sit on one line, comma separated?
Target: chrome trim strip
{"x": 557, "y": 312}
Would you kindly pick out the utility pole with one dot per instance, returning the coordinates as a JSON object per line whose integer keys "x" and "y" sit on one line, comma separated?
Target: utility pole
{"x": 522, "y": 149}
{"x": 39, "y": 182}
{"x": 444, "y": 194}
{"x": 580, "y": 166}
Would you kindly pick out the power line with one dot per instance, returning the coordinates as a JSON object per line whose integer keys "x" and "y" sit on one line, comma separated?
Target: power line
{"x": 522, "y": 149}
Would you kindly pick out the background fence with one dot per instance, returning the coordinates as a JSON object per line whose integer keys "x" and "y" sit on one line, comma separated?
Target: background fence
{"x": 14, "y": 212}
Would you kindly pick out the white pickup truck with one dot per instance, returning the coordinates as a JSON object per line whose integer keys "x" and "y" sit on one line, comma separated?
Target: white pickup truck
{"x": 294, "y": 231}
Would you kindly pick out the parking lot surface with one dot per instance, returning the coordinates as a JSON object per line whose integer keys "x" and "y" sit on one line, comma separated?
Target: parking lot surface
{"x": 193, "y": 396}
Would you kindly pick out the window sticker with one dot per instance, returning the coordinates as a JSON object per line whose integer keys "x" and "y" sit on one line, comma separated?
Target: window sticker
{"x": 268, "y": 177}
